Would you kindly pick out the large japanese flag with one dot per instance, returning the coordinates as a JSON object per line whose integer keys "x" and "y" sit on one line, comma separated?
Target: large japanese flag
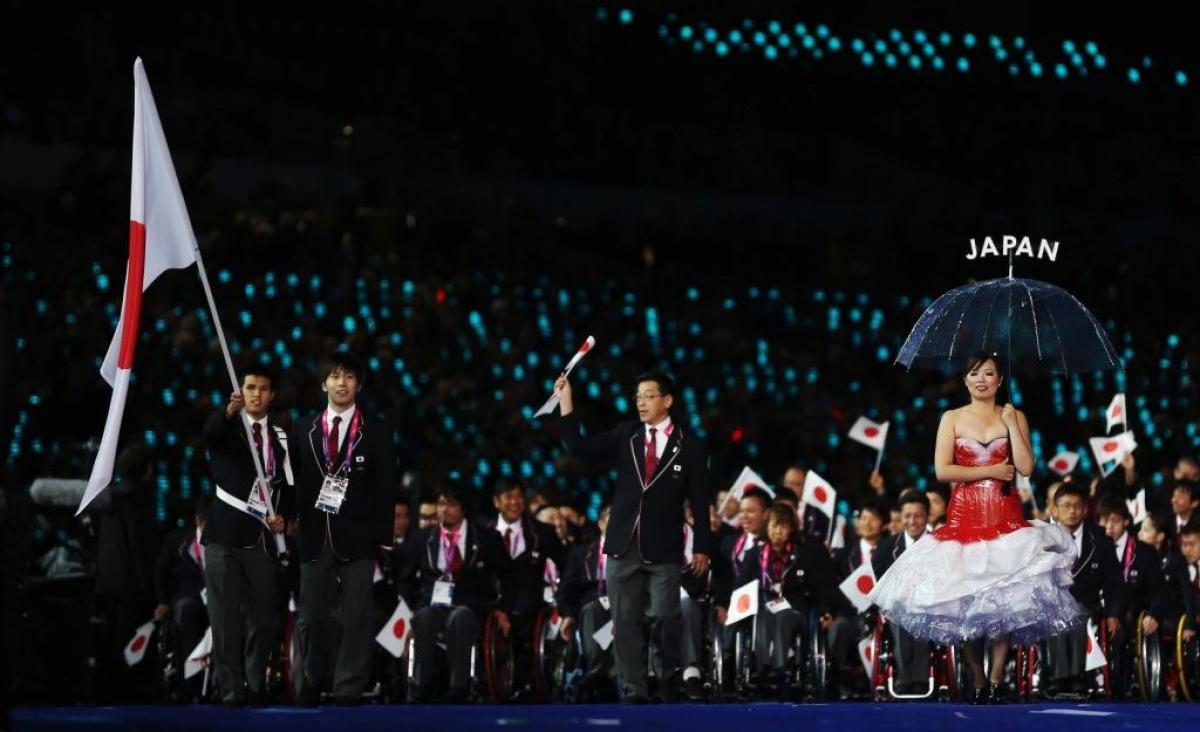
{"x": 1111, "y": 450}
{"x": 857, "y": 587}
{"x": 1095, "y": 656}
{"x": 135, "y": 649}
{"x": 743, "y": 603}
{"x": 1115, "y": 413}
{"x": 395, "y": 631}
{"x": 160, "y": 238}
{"x": 1064, "y": 462}
{"x": 819, "y": 494}
{"x": 871, "y": 434}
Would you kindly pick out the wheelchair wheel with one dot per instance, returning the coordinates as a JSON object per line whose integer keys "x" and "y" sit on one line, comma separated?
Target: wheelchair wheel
{"x": 743, "y": 659}
{"x": 498, "y": 663}
{"x": 1148, "y": 664}
{"x": 946, "y": 672}
{"x": 817, "y": 663}
{"x": 716, "y": 664}
{"x": 1187, "y": 661}
{"x": 1105, "y": 676}
{"x": 548, "y": 651}
{"x": 879, "y": 669}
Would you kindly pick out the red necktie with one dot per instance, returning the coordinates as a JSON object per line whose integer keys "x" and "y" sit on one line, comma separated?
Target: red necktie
{"x": 1196, "y": 579}
{"x": 331, "y": 442}
{"x": 256, "y": 428}
{"x": 453, "y": 557}
{"x": 651, "y": 456}
{"x": 508, "y": 541}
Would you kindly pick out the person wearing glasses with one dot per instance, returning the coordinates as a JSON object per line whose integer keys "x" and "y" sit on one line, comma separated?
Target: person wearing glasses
{"x": 660, "y": 464}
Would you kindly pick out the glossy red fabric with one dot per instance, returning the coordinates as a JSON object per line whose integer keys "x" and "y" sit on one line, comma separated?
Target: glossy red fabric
{"x": 979, "y": 510}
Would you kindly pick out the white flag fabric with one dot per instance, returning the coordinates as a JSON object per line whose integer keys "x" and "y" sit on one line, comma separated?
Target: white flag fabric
{"x": 839, "y": 533}
{"x": 604, "y": 636}
{"x": 552, "y": 403}
{"x": 395, "y": 631}
{"x": 1111, "y": 450}
{"x": 858, "y": 586}
{"x": 160, "y": 238}
{"x": 1137, "y": 506}
{"x": 743, "y": 603}
{"x": 198, "y": 658}
{"x": 871, "y": 434}
{"x": 865, "y": 649}
{"x": 135, "y": 649}
{"x": 1095, "y": 656}
{"x": 819, "y": 494}
{"x": 1116, "y": 412}
{"x": 1064, "y": 462}
{"x": 745, "y": 480}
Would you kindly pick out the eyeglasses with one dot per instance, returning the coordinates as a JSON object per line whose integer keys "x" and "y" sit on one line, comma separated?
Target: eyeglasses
{"x": 645, "y": 397}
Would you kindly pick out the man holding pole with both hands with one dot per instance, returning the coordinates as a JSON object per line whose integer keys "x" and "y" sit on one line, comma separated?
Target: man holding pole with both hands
{"x": 660, "y": 465}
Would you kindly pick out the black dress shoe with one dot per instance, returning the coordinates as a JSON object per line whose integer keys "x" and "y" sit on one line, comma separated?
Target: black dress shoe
{"x": 635, "y": 699}
{"x": 260, "y": 699}
{"x": 693, "y": 689}
{"x": 982, "y": 694}
{"x": 308, "y": 697}
{"x": 671, "y": 690}
{"x": 997, "y": 694}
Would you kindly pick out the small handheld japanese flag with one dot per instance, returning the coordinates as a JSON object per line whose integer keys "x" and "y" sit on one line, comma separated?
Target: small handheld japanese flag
{"x": 394, "y": 632}
{"x": 865, "y": 650}
{"x": 198, "y": 658}
{"x": 839, "y": 533}
{"x": 1115, "y": 413}
{"x": 869, "y": 433}
{"x": 135, "y": 649}
{"x": 604, "y": 636}
{"x": 748, "y": 479}
{"x": 1095, "y": 656}
{"x": 1137, "y": 506}
{"x": 819, "y": 494}
{"x": 1111, "y": 450}
{"x": 552, "y": 403}
{"x": 743, "y": 603}
{"x": 1064, "y": 462}
{"x": 857, "y": 587}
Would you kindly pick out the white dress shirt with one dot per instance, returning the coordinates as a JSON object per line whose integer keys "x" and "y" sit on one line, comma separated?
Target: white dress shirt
{"x": 662, "y": 432}
{"x": 342, "y": 427}
{"x": 460, "y": 540}
{"x": 517, "y": 547}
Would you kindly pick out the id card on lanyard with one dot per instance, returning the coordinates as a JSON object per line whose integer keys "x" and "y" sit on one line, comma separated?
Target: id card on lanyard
{"x": 337, "y": 480}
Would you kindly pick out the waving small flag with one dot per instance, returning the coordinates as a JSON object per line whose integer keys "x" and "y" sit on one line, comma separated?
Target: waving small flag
{"x": 1116, "y": 412}
{"x": 552, "y": 403}
{"x": 135, "y": 649}
{"x": 396, "y": 630}
{"x": 743, "y": 603}
{"x": 1095, "y": 656}
{"x": 819, "y": 494}
{"x": 1111, "y": 450}
{"x": 1064, "y": 462}
{"x": 869, "y": 433}
{"x": 858, "y": 586}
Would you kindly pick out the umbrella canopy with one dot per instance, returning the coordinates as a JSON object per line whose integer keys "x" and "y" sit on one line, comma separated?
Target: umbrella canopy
{"x": 1031, "y": 326}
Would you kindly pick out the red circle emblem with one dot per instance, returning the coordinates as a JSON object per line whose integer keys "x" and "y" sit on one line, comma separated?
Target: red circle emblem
{"x": 865, "y": 584}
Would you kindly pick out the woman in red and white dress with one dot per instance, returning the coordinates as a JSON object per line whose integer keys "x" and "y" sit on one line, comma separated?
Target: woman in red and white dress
{"x": 988, "y": 574}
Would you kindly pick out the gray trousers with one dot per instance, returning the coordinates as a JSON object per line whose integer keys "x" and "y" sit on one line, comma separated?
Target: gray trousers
{"x": 911, "y": 654}
{"x": 845, "y": 633}
{"x": 592, "y": 617}
{"x": 461, "y": 631}
{"x": 638, "y": 591}
{"x": 775, "y": 634}
{"x": 1067, "y": 652}
{"x": 237, "y": 579}
{"x": 318, "y": 596}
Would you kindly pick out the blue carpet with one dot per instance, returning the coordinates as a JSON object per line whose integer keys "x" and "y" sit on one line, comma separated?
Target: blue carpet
{"x": 686, "y": 717}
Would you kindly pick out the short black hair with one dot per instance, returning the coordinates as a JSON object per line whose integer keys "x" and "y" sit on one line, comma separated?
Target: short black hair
{"x": 665, "y": 383}
{"x": 1190, "y": 486}
{"x": 1113, "y": 504}
{"x": 1163, "y": 521}
{"x": 341, "y": 361}
{"x": 786, "y": 494}
{"x": 874, "y": 507}
{"x": 979, "y": 358}
{"x": 402, "y": 500}
{"x": 455, "y": 492}
{"x": 1071, "y": 488}
{"x": 504, "y": 485}
{"x": 1192, "y": 527}
{"x": 261, "y": 371}
{"x": 939, "y": 488}
{"x": 913, "y": 495}
{"x": 783, "y": 515}
{"x": 763, "y": 497}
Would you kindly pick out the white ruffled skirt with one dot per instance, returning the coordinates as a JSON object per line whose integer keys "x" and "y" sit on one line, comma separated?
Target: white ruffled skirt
{"x": 1017, "y": 583}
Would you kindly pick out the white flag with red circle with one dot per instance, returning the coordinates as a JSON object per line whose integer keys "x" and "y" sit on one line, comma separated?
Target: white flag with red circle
{"x": 858, "y": 586}
{"x": 552, "y": 403}
{"x": 135, "y": 649}
{"x": 197, "y": 660}
{"x": 160, "y": 238}
{"x": 604, "y": 635}
{"x": 866, "y": 648}
{"x": 743, "y": 603}
{"x": 819, "y": 494}
{"x": 1137, "y": 507}
{"x": 1095, "y": 656}
{"x": 1064, "y": 462}
{"x": 395, "y": 631}
{"x": 1111, "y": 450}
{"x": 871, "y": 434}
{"x": 1116, "y": 412}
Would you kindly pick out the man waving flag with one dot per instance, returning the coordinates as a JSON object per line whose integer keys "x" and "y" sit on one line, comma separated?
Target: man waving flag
{"x": 160, "y": 238}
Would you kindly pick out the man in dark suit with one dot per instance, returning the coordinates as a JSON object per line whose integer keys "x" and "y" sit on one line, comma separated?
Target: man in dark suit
{"x": 912, "y": 654}
{"x": 530, "y": 544}
{"x": 454, "y": 573}
{"x": 860, "y": 549}
{"x": 239, "y": 536}
{"x": 660, "y": 464}
{"x": 346, "y": 483}
{"x": 1097, "y": 588}
{"x": 1184, "y": 573}
{"x": 179, "y": 583}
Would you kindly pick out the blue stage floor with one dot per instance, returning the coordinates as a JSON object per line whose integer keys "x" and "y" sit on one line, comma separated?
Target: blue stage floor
{"x": 689, "y": 717}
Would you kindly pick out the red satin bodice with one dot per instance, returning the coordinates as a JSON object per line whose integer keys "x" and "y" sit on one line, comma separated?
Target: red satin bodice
{"x": 979, "y": 510}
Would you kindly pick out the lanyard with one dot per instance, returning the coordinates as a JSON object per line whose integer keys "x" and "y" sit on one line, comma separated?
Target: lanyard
{"x": 1128, "y": 562}
{"x": 765, "y": 561}
{"x": 351, "y": 438}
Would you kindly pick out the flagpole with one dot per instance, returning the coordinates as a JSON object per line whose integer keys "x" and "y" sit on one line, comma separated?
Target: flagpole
{"x": 879, "y": 459}
{"x": 280, "y": 544}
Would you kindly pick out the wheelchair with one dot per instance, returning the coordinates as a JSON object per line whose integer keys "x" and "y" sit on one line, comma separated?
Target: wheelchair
{"x": 944, "y": 668}
{"x": 1186, "y": 663}
{"x": 492, "y": 664}
{"x": 172, "y": 686}
{"x": 1031, "y": 663}
{"x": 806, "y": 675}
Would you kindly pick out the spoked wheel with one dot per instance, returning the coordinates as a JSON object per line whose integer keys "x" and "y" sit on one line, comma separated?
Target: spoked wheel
{"x": 498, "y": 663}
{"x": 818, "y": 661}
{"x": 1187, "y": 660}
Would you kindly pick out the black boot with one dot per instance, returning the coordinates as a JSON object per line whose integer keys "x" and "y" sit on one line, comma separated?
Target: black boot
{"x": 982, "y": 695}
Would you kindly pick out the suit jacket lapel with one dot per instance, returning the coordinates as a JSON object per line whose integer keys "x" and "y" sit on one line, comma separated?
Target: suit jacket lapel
{"x": 637, "y": 450}
{"x": 316, "y": 441}
{"x": 670, "y": 452}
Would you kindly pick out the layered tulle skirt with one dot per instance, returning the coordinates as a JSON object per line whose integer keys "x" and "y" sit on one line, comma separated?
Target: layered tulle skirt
{"x": 1017, "y": 583}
